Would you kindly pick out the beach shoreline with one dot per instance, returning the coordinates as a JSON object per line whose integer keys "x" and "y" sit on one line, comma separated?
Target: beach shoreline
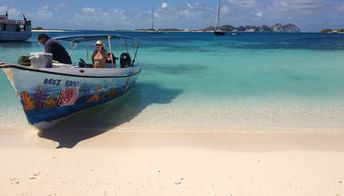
{"x": 132, "y": 163}
{"x": 48, "y": 30}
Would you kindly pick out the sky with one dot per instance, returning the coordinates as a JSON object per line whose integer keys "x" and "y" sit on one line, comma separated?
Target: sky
{"x": 309, "y": 15}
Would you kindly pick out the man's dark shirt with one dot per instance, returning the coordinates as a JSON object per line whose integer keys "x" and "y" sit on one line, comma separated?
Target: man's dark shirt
{"x": 58, "y": 51}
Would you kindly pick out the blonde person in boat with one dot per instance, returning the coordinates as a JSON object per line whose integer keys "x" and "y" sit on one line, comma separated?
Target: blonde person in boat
{"x": 100, "y": 56}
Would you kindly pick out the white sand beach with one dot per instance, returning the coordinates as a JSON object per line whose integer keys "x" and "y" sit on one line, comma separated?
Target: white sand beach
{"x": 48, "y": 30}
{"x": 121, "y": 149}
{"x": 120, "y": 162}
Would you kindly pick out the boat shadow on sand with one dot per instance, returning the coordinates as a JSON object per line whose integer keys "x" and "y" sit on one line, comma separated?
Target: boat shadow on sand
{"x": 95, "y": 121}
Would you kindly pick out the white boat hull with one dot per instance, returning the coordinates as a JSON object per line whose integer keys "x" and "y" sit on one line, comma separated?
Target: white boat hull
{"x": 51, "y": 94}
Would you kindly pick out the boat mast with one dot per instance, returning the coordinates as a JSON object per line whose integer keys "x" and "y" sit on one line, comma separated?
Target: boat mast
{"x": 217, "y": 15}
{"x": 152, "y": 18}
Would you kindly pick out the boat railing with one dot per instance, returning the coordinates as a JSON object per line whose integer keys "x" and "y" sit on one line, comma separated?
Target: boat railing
{"x": 14, "y": 22}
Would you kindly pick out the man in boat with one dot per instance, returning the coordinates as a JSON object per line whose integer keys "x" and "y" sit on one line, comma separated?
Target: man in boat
{"x": 54, "y": 47}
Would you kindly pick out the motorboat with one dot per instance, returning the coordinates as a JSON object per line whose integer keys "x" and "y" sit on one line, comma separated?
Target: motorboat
{"x": 51, "y": 91}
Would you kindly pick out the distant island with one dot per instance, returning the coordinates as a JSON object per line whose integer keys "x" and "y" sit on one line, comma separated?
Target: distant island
{"x": 41, "y": 29}
{"x": 38, "y": 28}
{"x": 264, "y": 28}
{"x": 333, "y": 30}
{"x": 229, "y": 28}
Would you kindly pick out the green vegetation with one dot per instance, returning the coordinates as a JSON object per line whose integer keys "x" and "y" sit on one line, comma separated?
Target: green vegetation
{"x": 24, "y": 60}
{"x": 327, "y": 31}
{"x": 38, "y": 28}
{"x": 333, "y": 30}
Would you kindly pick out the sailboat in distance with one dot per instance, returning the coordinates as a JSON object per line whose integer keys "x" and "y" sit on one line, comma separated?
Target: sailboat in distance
{"x": 152, "y": 30}
{"x": 218, "y": 29}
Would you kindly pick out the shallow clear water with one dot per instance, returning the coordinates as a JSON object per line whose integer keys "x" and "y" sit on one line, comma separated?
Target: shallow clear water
{"x": 260, "y": 80}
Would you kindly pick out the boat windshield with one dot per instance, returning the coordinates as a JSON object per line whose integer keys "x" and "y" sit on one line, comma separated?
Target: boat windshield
{"x": 87, "y": 43}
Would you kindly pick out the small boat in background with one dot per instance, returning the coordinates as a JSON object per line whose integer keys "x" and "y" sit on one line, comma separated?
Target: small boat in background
{"x": 219, "y": 32}
{"x": 50, "y": 92}
{"x": 218, "y": 29}
{"x": 153, "y": 30}
{"x": 14, "y": 30}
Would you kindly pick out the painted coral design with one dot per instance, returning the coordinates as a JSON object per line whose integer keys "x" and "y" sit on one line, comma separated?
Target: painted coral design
{"x": 112, "y": 93}
{"x": 51, "y": 102}
{"x": 40, "y": 92}
{"x": 99, "y": 88}
{"x": 109, "y": 95}
{"x": 28, "y": 102}
{"x": 94, "y": 98}
{"x": 85, "y": 89}
{"x": 68, "y": 96}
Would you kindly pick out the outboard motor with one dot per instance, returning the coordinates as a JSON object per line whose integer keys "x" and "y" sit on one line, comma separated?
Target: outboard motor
{"x": 125, "y": 60}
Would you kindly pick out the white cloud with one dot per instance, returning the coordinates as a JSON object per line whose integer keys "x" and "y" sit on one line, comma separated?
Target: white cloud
{"x": 101, "y": 19}
{"x": 340, "y": 8}
{"x": 259, "y": 14}
{"x": 88, "y": 10}
{"x": 241, "y": 12}
{"x": 3, "y": 9}
{"x": 44, "y": 13}
{"x": 60, "y": 6}
{"x": 243, "y": 3}
{"x": 164, "y": 5}
{"x": 192, "y": 15}
{"x": 225, "y": 10}
{"x": 12, "y": 12}
{"x": 295, "y": 7}
{"x": 299, "y": 12}
{"x": 195, "y": 10}
{"x": 188, "y": 15}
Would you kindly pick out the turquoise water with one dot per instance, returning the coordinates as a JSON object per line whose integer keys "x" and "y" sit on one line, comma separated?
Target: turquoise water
{"x": 249, "y": 81}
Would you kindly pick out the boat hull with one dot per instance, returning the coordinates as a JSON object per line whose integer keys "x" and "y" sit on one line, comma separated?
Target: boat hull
{"x": 219, "y": 33}
{"x": 15, "y": 36}
{"x": 47, "y": 97}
